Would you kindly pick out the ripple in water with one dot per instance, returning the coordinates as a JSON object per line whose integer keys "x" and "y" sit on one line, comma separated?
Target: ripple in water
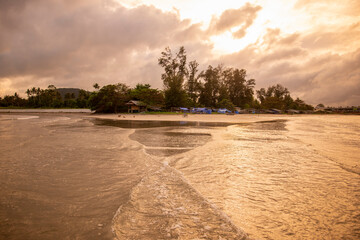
{"x": 274, "y": 185}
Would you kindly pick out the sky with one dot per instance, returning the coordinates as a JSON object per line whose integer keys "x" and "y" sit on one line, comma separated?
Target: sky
{"x": 312, "y": 47}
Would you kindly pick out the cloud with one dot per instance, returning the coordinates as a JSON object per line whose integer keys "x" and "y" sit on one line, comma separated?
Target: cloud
{"x": 315, "y": 73}
{"x": 241, "y": 18}
{"x": 349, "y": 7}
{"x": 77, "y": 43}
{"x": 340, "y": 39}
{"x": 337, "y": 80}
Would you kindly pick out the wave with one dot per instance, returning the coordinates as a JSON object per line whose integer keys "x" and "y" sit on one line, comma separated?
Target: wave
{"x": 164, "y": 205}
{"x": 27, "y": 117}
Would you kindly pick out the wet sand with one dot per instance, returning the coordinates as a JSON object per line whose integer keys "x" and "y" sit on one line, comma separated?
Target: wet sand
{"x": 219, "y": 118}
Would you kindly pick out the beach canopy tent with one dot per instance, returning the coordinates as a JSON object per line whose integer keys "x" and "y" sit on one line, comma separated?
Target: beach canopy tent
{"x": 201, "y": 110}
{"x": 275, "y": 111}
{"x": 184, "y": 109}
{"x": 223, "y": 110}
{"x": 292, "y": 111}
{"x": 154, "y": 109}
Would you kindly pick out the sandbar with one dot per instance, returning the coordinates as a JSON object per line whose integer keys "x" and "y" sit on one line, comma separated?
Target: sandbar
{"x": 220, "y": 118}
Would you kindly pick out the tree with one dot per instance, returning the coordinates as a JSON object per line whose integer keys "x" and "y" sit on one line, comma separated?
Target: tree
{"x": 273, "y": 97}
{"x": 110, "y": 98}
{"x": 96, "y": 86}
{"x": 192, "y": 86}
{"x": 210, "y": 89}
{"x": 12, "y": 101}
{"x": 226, "y": 103}
{"x": 173, "y": 77}
{"x": 240, "y": 90}
{"x": 148, "y": 95}
{"x": 82, "y": 99}
{"x": 278, "y": 96}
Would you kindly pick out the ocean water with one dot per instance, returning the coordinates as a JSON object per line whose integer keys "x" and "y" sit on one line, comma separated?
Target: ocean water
{"x": 72, "y": 177}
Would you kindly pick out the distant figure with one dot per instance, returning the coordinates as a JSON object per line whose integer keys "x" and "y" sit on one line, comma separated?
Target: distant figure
{"x": 119, "y": 115}
{"x": 185, "y": 115}
{"x": 123, "y": 116}
{"x": 134, "y": 116}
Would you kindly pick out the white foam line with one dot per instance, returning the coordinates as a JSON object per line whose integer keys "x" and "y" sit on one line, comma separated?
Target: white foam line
{"x": 25, "y": 118}
{"x": 222, "y": 214}
{"x": 175, "y": 148}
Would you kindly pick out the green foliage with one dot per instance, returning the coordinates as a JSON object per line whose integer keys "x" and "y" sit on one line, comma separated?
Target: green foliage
{"x": 148, "y": 95}
{"x": 226, "y": 83}
{"x": 279, "y": 97}
{"x": 240, "y": 89}
{"x": 210, "y": 89}
{"x": 184, "y": 86}
{"x": 217, "y": 86}
{"x": 82, "y": 100}
{"x": 226, "y": 103}
{"x": 193, "y": 85}
{"x": 13, "y": 101}
{"x": 49, "y": 97}
{"x": 174, "y": 77}
{"x": 274, "y": 97}
{"x": 110, "y": 98}
{"x": 96, "y": 86}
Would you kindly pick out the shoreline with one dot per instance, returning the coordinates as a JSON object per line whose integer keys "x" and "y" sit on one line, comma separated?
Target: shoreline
{"x": 215, "y": 118}
{"x": 44, "y": 110}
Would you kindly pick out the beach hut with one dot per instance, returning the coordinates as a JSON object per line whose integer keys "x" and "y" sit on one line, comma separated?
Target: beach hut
{"x": 135, "y": 106}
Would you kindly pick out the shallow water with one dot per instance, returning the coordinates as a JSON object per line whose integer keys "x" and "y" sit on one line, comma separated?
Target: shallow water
{"x": 275, "y": 184}
{"x": 65, "y": 177}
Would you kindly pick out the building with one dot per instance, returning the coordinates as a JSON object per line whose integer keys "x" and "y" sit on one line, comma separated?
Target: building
{"x": 135, "y": 106}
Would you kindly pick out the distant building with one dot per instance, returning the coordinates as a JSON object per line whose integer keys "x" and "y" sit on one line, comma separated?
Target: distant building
{"x": 135, "y": 106}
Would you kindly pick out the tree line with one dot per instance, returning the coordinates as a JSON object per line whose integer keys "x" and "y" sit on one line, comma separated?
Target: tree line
{"x": 109, "y": 98}
{"x": 218, "y": 87}
{"x": 184, "y": 86}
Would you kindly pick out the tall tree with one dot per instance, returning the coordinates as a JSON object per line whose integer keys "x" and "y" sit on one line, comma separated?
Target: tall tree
{"x": 173, "y": 77}
{"x": 192, "y": 85}
{"x": 240, "y": 89}
{"x": 211, "y": 87}
{"x": 278, "y": 96}
{"x": 273, "y": 97}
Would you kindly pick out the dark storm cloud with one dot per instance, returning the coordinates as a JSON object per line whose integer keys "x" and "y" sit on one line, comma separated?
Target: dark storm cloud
{"x": 242, "y": 18}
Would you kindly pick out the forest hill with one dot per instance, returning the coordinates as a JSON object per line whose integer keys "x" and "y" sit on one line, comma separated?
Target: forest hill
{"x": 184, "y": 86}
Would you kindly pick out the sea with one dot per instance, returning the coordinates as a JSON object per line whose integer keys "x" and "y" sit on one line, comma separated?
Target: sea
{"x": 73, "y": 176}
